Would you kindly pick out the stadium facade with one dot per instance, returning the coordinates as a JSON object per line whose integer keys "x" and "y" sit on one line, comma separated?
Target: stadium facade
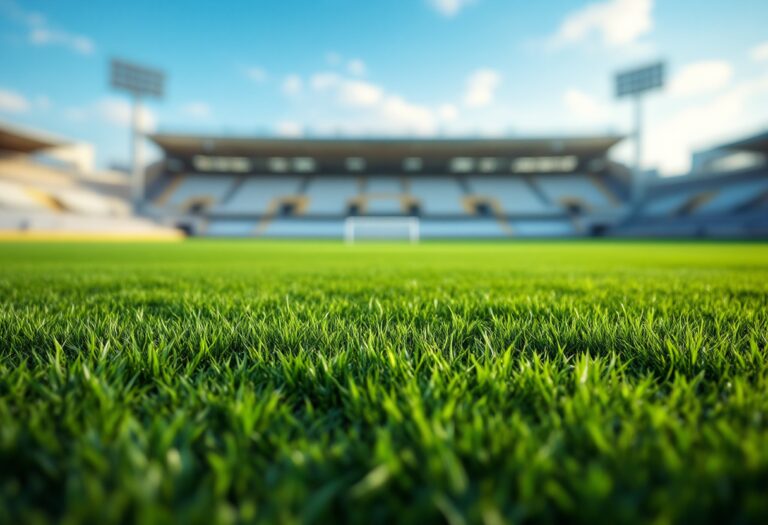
{"x": 455, "y": 188}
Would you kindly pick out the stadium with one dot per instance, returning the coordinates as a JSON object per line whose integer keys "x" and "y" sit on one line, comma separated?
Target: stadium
{"x": 563, "y": 187}
{"x": 453, "y": 188}
{"x": 352, "y": 262}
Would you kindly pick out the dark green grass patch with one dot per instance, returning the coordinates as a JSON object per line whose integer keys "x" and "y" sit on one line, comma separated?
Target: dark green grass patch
{"x": 226, "y": 382}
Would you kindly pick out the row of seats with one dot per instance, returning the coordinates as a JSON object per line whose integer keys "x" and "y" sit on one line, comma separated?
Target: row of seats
{"x": 20, "y": 197}
{"x": 699, "y": 202}
{"x": 332, "y": 195}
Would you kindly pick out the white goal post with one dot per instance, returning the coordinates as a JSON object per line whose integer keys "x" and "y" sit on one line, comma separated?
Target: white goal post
{"x": 376, "y": 228}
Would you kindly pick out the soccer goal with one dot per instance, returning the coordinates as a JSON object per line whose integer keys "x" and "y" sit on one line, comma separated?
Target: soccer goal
{"x": 381, "y": 228}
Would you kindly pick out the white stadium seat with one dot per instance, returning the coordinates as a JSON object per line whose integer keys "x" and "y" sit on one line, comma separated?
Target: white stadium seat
{"x": 257, "y": 193}
{"x": 211, "y": 187}
{"x": 667, "y": 204}
{"x": 560, "y": 188}
{"x": 438, "y": 195}
{"x": 331, "y": 195}
{"x": 514, "y": 195}
{"x": 15, "y": 196}
{"x": 730, "y": 198}
{"x": 388, "y": 185}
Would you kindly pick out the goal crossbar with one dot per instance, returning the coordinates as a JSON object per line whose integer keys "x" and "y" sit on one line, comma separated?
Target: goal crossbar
{"x": 409, "y": 225}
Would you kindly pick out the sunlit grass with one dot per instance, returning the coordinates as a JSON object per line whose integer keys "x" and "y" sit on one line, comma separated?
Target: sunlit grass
{"x": 460, "y": 382}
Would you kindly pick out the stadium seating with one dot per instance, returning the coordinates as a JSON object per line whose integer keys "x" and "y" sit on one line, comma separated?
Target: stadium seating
{"x": 470, "y": 228}
{"x": 231, "y": 228}
{"x": 576, "y": 188}
{"x": 304, "y": 228}
{"x": 16, "y": 197}
{"x": 384, "y": 195}
{"x": 514, "y": 195}
{"x": 665, "y": 205}
{"x": 65, "y": 222}
{"x": 256, "y": 194}
{"x": 209, "y": 188}
{"x": 331, "y": 195}
{"x": 385, "y": 185}
{"x": 540, "y": 228}
{"x": 438, "y": 195}
{"x": 734, "y": 196}
{"x": 383, "y": 206}
{"x": 89, "y": 203}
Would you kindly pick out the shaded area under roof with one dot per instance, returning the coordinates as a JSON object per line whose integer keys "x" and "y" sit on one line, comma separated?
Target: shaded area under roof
{"x": 384, "y": 148}
{"x": 21, "y": 140}
{"x": 757, "y": 143}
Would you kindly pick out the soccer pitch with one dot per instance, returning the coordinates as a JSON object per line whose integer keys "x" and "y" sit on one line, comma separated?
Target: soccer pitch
{"x": 222, "y": 381}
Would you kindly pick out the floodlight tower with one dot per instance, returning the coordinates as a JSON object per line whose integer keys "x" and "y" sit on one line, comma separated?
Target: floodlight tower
{"x": 635, "y": 83}
{"x": 140, "y": 82}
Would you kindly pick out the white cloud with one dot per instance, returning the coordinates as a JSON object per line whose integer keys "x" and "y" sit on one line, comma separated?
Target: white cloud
{"x": 481, "y": 88}
{"x": 292, "y": 85}
{"x": 356, "y": 93}
{"x": 356, "y": 67}
{"x": 256, "y": 74}
{"x": 13, "y": 102}
{"x": 670, "y": 142}
{"x": 615, "y": 22}
{"x": 701, "y": 77}
{"x": 349, "y": 92}
{"x": 585, "y": 107}
{"x": 759, "y": 53}
{"x": 43, "y": 36}
{"x": 398, "y": 113}
{"x": 449, "y": 8}
{"x": 197, "y": 110}
{"x": 288, "y": 128}
{"x": 370, "y": 108}
{"x": 114, "y": 111}
{"x": 447, "y": 112}
{"x": 40, "y": 32}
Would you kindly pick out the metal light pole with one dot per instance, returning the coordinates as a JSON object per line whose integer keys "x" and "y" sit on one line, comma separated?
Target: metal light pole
{"x": 635, "y": 83}
{"x": 638, "y": 181}
{"x": 137, "y": 171}
{"x": 140, "y": 82}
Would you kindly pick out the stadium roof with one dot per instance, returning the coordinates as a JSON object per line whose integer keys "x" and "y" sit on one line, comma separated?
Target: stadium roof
{"x": 184, "y": 145}
{"x": 21, "y": 140}
{"x": 758, "y": 143}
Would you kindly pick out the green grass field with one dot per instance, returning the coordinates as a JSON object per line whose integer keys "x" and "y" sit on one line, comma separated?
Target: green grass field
{"x": 204, "y": 382}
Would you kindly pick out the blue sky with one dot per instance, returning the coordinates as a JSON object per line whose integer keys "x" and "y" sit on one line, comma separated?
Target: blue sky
{"x": 389, "y": 67}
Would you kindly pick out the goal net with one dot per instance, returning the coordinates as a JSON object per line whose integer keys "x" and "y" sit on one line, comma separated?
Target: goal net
{"x": 381, "y": 228}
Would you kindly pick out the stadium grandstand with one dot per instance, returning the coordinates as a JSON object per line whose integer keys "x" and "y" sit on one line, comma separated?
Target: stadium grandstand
{"x": 314, "y": 187}
{"x": 454, "y": 188}
{"x": 48, "y": 187}
{"x": 725, "y": 195}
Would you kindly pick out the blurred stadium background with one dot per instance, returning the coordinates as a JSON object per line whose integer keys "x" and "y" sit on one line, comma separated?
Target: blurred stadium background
{"x": 456, "y": 188}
